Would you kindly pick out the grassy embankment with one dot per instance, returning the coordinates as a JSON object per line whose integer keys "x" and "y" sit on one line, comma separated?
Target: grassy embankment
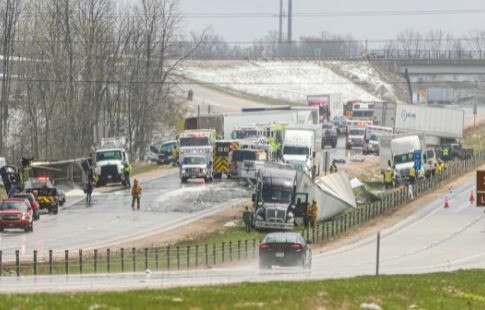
{"x": 455, "y": 290}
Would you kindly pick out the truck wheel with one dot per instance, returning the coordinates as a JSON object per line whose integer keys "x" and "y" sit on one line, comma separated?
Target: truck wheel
{"x": 55, "y": 210}
{"x": 1, "y": 229}
{"x": 37, "y": 216}
{"x": 347, "y": 147}
{"x": 183, "y": 180}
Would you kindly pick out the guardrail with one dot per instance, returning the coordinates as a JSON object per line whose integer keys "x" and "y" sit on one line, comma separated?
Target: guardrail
{"x": 390, "y": 201}
{"x": 183, "y": 257}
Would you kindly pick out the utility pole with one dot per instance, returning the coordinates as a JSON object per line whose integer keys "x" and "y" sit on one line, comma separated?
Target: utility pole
{"x": 280, "y": 33}
{"x": 290, "y": 13}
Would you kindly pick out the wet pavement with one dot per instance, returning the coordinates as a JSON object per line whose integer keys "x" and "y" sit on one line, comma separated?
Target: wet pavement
{"x": 109, "y": 220}
{"x": 431, "y": 239}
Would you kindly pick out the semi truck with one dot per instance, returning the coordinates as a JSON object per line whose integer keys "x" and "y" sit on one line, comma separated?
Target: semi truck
{"x": 302, "y": 144}
{"x": 276, "y": 203}
{"x": 281, "y": 197}
{"x": 329, "y": 105}
{"x": 437, "y": 124}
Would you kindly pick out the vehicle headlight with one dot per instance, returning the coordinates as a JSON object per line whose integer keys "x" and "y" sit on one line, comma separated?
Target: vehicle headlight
{"x": 371, "y": 146}
{"x": 349, "y": 140}
{"x": 259, "y": 218}
{"x": 289, "y": 217}
{"x": 204, "y": 171}
{"x": 97, "y": 170}
{"x": 184, "y": 171}
{"x": 24, "y": 216}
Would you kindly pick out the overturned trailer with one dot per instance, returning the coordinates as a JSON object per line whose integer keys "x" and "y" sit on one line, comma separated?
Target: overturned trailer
{"x": 332, "y": 192}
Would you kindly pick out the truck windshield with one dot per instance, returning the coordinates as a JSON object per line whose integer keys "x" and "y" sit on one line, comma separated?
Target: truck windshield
{"x": 13, "y": 206}
{"x": 194, "y": 161}
{"x": 167, "y": 148}
{"x": 276, "y": 195}
{"x": 243, "y": 155}
{"x": 108, "y": 155}
{"x": 194, "y": 141}
{"x": 356, "y": 132}
{"x": 403, "y": 158}
{"x": 295, "y": 150}
{"x": 242, "y": 134}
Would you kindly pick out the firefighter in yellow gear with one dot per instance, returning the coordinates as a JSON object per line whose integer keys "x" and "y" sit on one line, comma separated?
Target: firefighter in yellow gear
{"x": 412, "y": 175}
{"x": 333, "y": 167}
{"x": 437, "y": 169}
{"x": 388, "y": 175}
{"x": 175, "y": 155}
{"x": 312, "y": 213}
{"x": 442, "y": 166}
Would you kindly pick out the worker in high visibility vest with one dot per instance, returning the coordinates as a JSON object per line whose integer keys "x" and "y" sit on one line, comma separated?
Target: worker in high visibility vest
{"x": 437, "y": 169}
{"x": 412, "y": 175}
{"x": 388, "y": 175}
{"x": 442, "y": 166}
{"x": 312, "y": 213}
{"x": 333, "y": 167}
{"x": 446, "y": 153}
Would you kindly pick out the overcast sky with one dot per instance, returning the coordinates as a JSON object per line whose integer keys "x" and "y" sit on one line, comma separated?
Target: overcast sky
{"x": 361, "y": 27}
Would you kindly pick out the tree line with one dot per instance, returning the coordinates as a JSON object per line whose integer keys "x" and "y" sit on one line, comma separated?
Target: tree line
{"x": 73, "y": 71}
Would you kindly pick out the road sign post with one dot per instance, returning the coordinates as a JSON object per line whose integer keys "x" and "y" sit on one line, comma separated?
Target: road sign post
{"x": 480, "y": 188}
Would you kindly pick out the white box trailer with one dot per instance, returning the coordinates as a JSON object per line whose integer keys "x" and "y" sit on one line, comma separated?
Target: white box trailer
{"x": 430, "y": 121}
{"x": 235, "y": 120}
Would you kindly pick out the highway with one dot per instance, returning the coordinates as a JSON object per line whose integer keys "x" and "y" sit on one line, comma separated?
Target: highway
{"x": 431, "y": 239}
{"x": 109, "y": 220}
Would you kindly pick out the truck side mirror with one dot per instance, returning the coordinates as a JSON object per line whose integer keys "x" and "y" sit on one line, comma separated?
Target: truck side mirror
{"x": 253, "y": 197}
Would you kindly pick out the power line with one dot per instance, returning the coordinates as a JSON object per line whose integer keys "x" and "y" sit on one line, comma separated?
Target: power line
{"x": 337, "y": 13}
{"x": 394, "y": 82}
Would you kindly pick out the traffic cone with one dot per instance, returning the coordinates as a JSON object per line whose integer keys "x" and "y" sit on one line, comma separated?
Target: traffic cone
{"x": 472, "y": 198}
{"x": 447, "y": 205}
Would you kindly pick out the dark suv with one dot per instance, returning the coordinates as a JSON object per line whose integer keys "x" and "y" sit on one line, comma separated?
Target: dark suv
{"x": 329, "y": 135}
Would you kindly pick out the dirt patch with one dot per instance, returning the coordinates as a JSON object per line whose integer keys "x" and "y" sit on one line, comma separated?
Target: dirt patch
{"x": 368, "y": 170}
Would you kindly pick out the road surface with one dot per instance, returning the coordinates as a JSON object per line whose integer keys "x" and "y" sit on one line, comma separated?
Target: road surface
{"x": 431, "y": 239}
{"x": 220, "y": 101}
{"x": 109, "y": 220}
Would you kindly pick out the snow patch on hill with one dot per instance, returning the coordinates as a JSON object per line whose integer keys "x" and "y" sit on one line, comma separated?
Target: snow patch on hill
{"x": 287, "y": 81}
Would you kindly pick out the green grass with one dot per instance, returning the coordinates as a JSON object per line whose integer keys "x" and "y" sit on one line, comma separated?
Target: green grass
{"x": 456, "y": 290}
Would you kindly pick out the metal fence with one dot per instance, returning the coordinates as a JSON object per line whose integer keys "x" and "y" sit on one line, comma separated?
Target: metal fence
{"x": 390, "y": 201}
{"x": 183, "y": 257}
